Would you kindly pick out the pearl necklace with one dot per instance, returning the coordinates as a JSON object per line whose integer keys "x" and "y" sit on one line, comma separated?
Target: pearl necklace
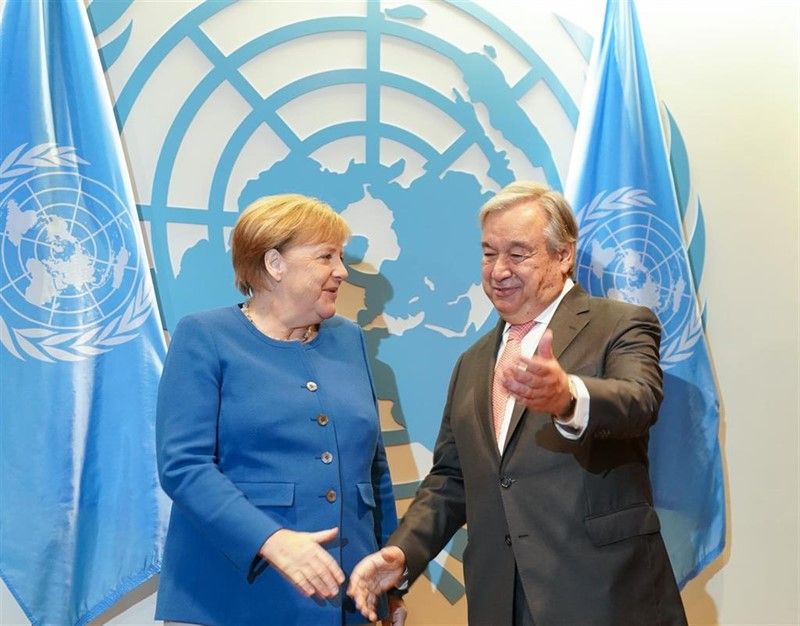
{"x": 310, "y": 331}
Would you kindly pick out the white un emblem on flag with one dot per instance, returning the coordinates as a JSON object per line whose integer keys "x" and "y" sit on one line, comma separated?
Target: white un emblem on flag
{"x": 628, "y": 253}
{"x": 68, "y": 255}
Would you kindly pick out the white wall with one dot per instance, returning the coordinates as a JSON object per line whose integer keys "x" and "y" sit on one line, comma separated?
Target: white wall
{"x": 729, "y": 74}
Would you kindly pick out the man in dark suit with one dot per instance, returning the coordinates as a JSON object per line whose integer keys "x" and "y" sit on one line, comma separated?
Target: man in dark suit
{"x": 542, "y": 449}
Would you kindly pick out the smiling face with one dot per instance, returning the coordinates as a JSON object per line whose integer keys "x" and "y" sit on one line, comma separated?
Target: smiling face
{"x": 520, "y": 274}
{"x": 309, "y": 279}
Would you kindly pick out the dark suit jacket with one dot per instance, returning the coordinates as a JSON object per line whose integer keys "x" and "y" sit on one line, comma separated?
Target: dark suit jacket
{"x": 575, "y": 518}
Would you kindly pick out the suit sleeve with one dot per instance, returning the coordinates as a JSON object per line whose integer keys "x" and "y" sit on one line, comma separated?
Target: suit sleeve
{"x": 625, "y": 399}
{"x": 186, "y": 443}
{"x": 439, "y": 508}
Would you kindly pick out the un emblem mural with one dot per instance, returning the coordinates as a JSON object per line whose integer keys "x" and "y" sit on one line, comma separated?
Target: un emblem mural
{"x": 376, "y": 108}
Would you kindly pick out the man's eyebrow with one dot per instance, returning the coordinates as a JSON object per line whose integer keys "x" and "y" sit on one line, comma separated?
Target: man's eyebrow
{"x": 521, "y": 244}
{"x": 512, "y": 244}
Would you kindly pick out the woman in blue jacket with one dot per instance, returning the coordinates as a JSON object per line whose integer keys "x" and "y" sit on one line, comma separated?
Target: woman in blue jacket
{"x": 268, "y": 436}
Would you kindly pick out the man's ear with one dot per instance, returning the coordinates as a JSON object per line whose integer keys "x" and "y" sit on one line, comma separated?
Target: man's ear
{"x": 566, "y": 257}
{"x": 274, "y": 264}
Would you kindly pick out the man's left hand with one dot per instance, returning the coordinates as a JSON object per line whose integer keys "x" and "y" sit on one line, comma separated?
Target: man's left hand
{"x": 539, "y": 382}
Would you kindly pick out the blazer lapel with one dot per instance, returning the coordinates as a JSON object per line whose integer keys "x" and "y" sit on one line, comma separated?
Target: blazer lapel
{"x": 483, "y": 388}
{"x": 568, "y": 320}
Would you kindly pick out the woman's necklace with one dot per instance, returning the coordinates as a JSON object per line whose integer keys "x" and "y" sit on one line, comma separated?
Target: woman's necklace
{"x": 310, "y": 331}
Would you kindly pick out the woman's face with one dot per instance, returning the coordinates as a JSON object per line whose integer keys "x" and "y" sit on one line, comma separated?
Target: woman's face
{"x": 310, "y": 280}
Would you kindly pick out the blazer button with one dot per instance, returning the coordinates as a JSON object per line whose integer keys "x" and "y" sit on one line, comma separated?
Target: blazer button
{"x": 505, "y": 482}
{"x": 330, "y": 496}
{"x": 326, "y": 457}
{"x": 508, "y": 540}
{"x": 322, "y": 419}
{"x": 311, "y": 385}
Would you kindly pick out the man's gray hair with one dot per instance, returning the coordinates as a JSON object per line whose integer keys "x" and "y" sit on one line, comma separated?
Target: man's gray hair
{"x": 561, "y": 229}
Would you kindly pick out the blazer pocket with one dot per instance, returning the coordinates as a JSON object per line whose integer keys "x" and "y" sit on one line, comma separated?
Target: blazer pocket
{"x": 268, "y": 494}
{"x": 367, "y": 494}
{"x": 620, "y": 525}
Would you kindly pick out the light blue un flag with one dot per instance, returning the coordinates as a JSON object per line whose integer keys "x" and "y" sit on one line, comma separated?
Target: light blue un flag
{"x": 81, "y": 513}
{"x": 632, "y": 248}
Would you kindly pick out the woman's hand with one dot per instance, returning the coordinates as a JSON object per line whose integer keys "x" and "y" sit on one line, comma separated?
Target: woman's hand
{"x": 300, "y": 557}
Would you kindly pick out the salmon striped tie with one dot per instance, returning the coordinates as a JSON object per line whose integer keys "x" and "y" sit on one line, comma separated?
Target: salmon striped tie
{"x": 510, "y": 353}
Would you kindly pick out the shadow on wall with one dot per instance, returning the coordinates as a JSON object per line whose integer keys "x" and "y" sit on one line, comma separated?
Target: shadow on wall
{"x": 136, "y": 596}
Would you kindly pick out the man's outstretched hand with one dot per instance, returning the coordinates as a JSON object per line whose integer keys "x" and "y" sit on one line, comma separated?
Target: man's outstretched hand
{"x": 373, "y": 575}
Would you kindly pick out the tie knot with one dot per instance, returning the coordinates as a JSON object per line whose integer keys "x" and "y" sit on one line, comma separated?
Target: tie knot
{"x": 518, "y": 331}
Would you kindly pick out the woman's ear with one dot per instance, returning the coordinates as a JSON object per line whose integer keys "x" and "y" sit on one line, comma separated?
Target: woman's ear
{"x": 274, "y": 264}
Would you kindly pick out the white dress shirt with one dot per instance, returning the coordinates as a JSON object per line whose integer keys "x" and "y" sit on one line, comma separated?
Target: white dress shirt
{"x": 573, "y": 426}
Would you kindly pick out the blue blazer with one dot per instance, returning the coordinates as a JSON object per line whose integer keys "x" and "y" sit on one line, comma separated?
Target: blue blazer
{"x": 255, "y": 435}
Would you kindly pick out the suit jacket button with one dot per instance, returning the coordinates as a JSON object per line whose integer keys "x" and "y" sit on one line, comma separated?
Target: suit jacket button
{"x": 330, "y": 496}
{"x": 311, "y": 385}
{"x": 508, "y": 540}
{"x": 505, "y": 482}
{"x": 322, "y": 419}
{"x": 326, "y": 457}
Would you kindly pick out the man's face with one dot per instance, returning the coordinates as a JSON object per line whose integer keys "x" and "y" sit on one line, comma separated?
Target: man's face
{"x": 519, "y": 273}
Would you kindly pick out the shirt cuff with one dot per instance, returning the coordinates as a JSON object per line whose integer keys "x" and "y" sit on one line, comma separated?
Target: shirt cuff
{"x": 401, "y": 588}
{"x": 573, "y": 427}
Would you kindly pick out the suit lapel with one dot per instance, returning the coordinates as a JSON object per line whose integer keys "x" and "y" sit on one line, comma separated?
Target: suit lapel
{"x": 569, "y": 319}
{"x": 483, "y": 388}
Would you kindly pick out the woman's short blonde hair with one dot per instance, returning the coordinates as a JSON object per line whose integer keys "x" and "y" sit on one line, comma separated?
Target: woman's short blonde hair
{"x": 279, "y": 222}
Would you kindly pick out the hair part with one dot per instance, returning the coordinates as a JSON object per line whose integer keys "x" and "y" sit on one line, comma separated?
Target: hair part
{"x": 279, "y": 222}
{"x": 561, "y": 229}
